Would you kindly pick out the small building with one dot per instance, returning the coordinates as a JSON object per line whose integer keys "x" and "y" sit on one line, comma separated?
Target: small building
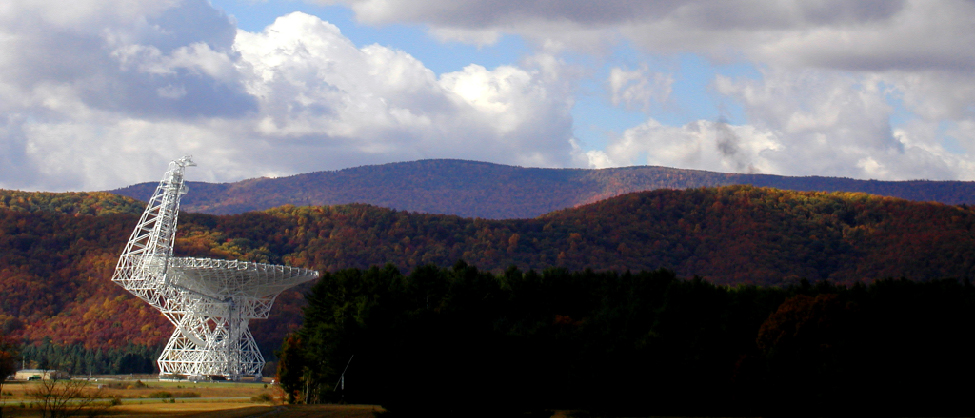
{"x": 37, "y": 374}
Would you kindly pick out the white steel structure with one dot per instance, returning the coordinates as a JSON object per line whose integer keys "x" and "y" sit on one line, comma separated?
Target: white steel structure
{"x": 209, "y": 301}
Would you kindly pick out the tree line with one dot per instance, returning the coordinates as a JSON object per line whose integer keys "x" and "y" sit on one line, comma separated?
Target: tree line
{"x": 449, "y": 341}
{"x": 77, "y": 360}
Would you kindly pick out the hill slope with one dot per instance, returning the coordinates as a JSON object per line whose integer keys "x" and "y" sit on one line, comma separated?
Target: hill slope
{"x": 477, "y": 189}
{"x": 55, "y": 264}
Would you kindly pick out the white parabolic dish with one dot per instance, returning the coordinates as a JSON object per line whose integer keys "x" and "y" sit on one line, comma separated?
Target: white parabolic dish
{"x": 222, "y": 279}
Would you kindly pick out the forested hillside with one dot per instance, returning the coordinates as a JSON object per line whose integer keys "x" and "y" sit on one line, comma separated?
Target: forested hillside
{"x": 56, "y": 260}
{"x": 91, "y": 203}
{"x": 467, "y": 343}
{"x": 485, "y": 190}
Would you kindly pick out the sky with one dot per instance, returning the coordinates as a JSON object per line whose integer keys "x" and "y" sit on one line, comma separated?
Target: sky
{"x": 101, "y": 94}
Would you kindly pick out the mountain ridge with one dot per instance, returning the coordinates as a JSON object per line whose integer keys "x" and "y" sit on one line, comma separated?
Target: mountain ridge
{"x": 495, "y": 191}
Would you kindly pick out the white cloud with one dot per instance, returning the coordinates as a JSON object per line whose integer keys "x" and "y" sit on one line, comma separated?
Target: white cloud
{"x": 705, "y": 145}
{"x": 377, "y": 104}
{"x": 936, "y": 95}
{"x": 639, "y": 89}
{"x": 812, "y": 123}
{"x": 74, "y": 75}
{"x": 833, "y": 74}
{"x": 296, "y": 97}
{"x": 96, "y": 92}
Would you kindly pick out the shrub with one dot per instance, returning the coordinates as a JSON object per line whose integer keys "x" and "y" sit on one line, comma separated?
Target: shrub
{"x": 262, "y": 398}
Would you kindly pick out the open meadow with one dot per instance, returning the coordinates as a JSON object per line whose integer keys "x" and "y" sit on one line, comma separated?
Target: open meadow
{"x": 216, "y": 409}
{"x": 153, "y": 398}
{"x": 151, "y": 389}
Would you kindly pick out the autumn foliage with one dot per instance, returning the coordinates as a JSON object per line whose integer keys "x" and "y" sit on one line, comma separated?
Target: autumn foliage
{"x": 58, "y": 251}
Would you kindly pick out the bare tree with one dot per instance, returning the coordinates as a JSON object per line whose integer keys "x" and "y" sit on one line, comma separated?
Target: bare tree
{"x": 62, "y": 398}
{"x": 8, "y": 365}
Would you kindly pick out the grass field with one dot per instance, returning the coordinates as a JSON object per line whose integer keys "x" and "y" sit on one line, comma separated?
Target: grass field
{"x": 152, "y": 389}
{"x": 143, "y": 399}
{"x": 201, "y": 409}
{"x": 161, "y": 399}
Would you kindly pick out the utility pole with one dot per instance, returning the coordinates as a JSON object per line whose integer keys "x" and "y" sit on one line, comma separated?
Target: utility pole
{"x": 341, "y": 382}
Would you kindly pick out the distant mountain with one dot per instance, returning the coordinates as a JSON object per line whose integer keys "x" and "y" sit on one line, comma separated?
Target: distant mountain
{"x": 56, "y": 260}
{"x": 493, "y": 191}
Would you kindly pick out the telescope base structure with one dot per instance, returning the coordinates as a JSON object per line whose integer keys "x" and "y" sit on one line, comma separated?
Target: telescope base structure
{"x": 205, "y": 347}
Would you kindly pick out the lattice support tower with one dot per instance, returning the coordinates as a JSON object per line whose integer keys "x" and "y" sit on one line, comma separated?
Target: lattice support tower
{"x": 209, "y": 301}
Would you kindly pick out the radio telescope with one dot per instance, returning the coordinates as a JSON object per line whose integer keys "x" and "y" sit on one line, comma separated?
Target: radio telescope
{"x": 210, "y": 301}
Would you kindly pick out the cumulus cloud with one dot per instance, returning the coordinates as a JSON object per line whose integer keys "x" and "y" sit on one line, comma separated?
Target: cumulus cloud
{"x": 838, "y": 123}
{"x": 831, "y": 73}
{"x": 73, "y": 74}
{"x": 935, "y": 95}
{"x": 375, "y": 104}
{"x": 101, "y": 93}
{"x": 157, "y": 81}
{"x": 705, "y": 145}
{"x": 814, "y": 123}
{"x": 639, "y": 89}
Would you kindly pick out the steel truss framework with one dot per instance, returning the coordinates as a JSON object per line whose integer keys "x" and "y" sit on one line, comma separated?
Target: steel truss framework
{"x": 209, "y": 301}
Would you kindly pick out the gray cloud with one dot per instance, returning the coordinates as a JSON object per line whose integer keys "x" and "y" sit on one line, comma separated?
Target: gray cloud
{"x": 873, "y": 35}
{"x": 480, "y": 14}
{"x": 758, "y": 15}
{"x": 193, "y": 22}
{"x": 725, "y": 15}
{"x": 13, "y": 156}
{"x": 727, "y": 142}
{"x": 124, "y": 66}
{"x": 180, "y": 94}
